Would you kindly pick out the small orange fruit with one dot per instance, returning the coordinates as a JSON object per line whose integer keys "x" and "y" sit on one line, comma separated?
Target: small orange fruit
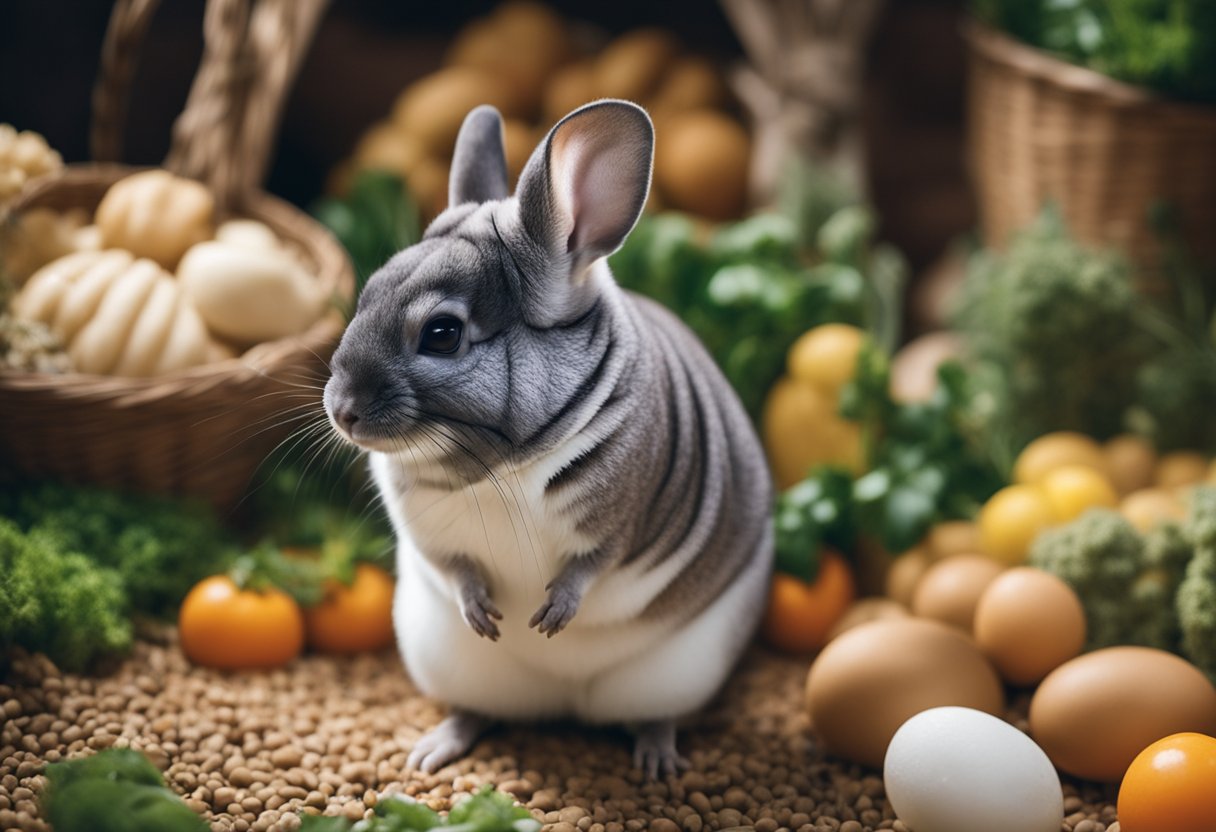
{"x": 800, "y": 615}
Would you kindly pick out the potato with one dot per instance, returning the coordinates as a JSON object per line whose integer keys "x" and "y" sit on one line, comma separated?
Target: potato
{"x": 701, "y": 162}
{"x": 429, "y": 186}
{"x": 157, "y": 215}
{"x": 117, "y": 315}
{"x": 632, "y": 65}
{"x": 249, "y": 295}
{"x": 518, "y": 48}
{"x": 570, "y": 88}
{"x": 691, "y": 83}
{"x": 388, "y": 147}
{"x": 432, "y": 109}
{"x": 518, "y": 142}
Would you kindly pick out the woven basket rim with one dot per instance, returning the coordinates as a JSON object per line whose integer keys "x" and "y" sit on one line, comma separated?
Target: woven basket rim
{"x": 260, "y": 360}
{"x": 1038, "y": 63}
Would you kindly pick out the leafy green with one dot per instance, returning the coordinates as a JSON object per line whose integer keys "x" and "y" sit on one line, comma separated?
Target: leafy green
{"x": 485, "y": 811}
{"x": 59, "y": 601}
{"x": 751, "y": 289}
{"x": 1196, "y": 599}
{"x": 374, "y": 221}
{"x": 1167, "y": 45}
{"x": 814, "y": 513}
{"x": 117, "y": 790}
{"x": 158, "y": 547}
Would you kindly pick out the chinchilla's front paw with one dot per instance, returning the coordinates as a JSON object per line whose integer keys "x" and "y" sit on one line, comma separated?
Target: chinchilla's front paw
{"x": 556, "y": 612}
{"x": 479, "y": 612}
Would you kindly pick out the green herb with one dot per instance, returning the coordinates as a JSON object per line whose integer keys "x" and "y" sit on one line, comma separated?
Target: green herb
{"x": 1167, "y": 45}
{"x": 117, "y": 790}
{"x": 374, "y": 221}
{"x": 159, "y": 547}
{"x": 58, "y": 601}
{"x": 756, "y": 285}
{"x": 485, "y": 811}
{"x": 1196, "y": 598}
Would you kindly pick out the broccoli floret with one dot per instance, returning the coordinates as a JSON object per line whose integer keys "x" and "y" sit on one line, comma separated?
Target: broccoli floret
{"x": 1126, "y": 591}
{"x": 57, "y": 601}
{"x": 1196, "y": 599}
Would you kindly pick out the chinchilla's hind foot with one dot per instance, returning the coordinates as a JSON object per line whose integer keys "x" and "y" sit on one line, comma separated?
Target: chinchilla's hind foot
{"x": 654, "y": 749}
{"x": 447, "y": 741}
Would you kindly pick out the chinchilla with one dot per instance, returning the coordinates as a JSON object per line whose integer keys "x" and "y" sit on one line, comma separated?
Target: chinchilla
{"x": 581, "y": 504}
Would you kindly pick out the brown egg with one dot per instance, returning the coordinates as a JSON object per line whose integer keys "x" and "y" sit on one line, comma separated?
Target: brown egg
{"x": 865, "y": 610}
{"x": 905, "y": 573}
{"x": 1149, "y": 507}
{"x": 1028, "y": 623}
{"x": 1094, "y": 714}
{"x": 1130, "y": 462}
{"x": 952, "y": 587}
{"x": 429, "y": 186}
{"x": 865, "y": 684}
{"x": 914, "y": 367}
{"x": 632, "y": 65}
{"x": 701, "y": 161}
{"x": 1180, "y": 468}
{"x": 953, "y": 537}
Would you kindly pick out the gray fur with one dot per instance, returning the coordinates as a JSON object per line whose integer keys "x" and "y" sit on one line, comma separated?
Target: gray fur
{"x": 555, "y": 350}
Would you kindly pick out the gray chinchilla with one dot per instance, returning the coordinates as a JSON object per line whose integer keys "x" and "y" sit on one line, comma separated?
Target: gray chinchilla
{"x": 559, "y": 457}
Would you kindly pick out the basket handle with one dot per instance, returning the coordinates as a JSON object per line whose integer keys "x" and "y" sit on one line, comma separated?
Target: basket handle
{"x": 226, "y": 132}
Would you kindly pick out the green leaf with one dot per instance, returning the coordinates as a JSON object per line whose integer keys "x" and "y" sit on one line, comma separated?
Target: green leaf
{"x": 411, "y": 813}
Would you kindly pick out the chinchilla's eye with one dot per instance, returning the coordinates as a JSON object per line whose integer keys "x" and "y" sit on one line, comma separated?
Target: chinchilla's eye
{"x": 441, "y": 335}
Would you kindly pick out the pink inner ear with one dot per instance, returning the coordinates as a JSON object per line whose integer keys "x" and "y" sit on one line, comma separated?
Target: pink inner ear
{"x": 594, "y": 176}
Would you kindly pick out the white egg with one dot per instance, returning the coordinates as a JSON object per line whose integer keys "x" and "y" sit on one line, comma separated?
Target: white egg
{"x": 957, "y": 769}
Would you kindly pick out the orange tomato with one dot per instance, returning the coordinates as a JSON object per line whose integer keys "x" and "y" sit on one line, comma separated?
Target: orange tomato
{"x": 355, "y": 618}
{"x": 1170, "y": 786}
{"x": 221, "y": 625}
{"x": 800, "y": 615}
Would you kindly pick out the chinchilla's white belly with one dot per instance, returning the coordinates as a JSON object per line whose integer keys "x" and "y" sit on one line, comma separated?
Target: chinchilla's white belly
{"x": 609, "y": 664}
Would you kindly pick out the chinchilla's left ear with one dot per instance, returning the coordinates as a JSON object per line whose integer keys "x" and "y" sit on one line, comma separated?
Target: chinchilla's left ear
{"x": 479, "y": 166}
{"x": 583, "y": 189}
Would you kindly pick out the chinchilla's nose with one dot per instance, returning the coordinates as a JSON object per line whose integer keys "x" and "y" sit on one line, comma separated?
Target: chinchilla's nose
{"x": 345, "y": 415}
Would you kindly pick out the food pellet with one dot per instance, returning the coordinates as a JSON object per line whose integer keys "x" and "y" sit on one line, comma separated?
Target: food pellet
{"x": 249, "y": 751}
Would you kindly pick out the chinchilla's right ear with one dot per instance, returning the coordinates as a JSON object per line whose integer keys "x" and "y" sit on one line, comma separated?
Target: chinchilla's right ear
{"x": 479, "y": 165}
{"x": 583, "y": 190}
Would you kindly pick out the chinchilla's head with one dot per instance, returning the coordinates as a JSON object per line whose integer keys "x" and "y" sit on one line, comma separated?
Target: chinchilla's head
{"x": 472, "y": 346}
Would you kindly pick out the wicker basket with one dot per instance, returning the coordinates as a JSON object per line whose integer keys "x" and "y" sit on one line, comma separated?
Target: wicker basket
{"x": 202, "y": 432}
{"x": 1106, "y": 152}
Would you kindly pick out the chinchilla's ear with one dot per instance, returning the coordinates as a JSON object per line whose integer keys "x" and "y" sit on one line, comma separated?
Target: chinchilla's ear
{"x": 583, "y": 189}
{"x": 479, "y": 166}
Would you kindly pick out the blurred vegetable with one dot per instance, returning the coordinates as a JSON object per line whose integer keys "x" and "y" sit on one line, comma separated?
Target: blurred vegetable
{"x": 1126, "y": 583}
{"x": 1167, "y": 45}
{"x": 800, "y": 614}
{"x": 749, "y": 292}
{"x": 376, "y": 219}
{"x": 353, "y": 617}
{"x": 1196, "y": 600}
{"x": 159, "y": 547}
{"x": 1052, "y": 325}
{"x": 485, "y": 811}
{"x": 58, "y": 601}
{"x": 116, "y": 790}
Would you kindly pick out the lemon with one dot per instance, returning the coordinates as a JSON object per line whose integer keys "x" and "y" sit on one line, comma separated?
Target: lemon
{"x": 826, "y": 356}
{"x": 802, "y": 430}
{"x": 1073, "y": 489}
{"x": 1011, "y": 520}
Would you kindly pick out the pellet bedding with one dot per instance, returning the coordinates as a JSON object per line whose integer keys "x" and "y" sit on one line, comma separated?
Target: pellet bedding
{"x": 248, "y": 751}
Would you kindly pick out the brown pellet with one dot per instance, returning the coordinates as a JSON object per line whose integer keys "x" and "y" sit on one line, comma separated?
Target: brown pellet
{"x": 249, "y": 751}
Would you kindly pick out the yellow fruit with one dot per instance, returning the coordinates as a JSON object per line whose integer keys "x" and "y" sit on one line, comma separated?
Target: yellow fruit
{"x": 1130, "y": 461}
{"x": 1181, "y": 468}
{"x": 802, "y": 430}
{"x": 1055, "y": 450}
{"x": 1074, "y": 489}
{"x": 826, "y": 356}
{"x": 1011, "y": 520}
{"x": 1150, "y": 507}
